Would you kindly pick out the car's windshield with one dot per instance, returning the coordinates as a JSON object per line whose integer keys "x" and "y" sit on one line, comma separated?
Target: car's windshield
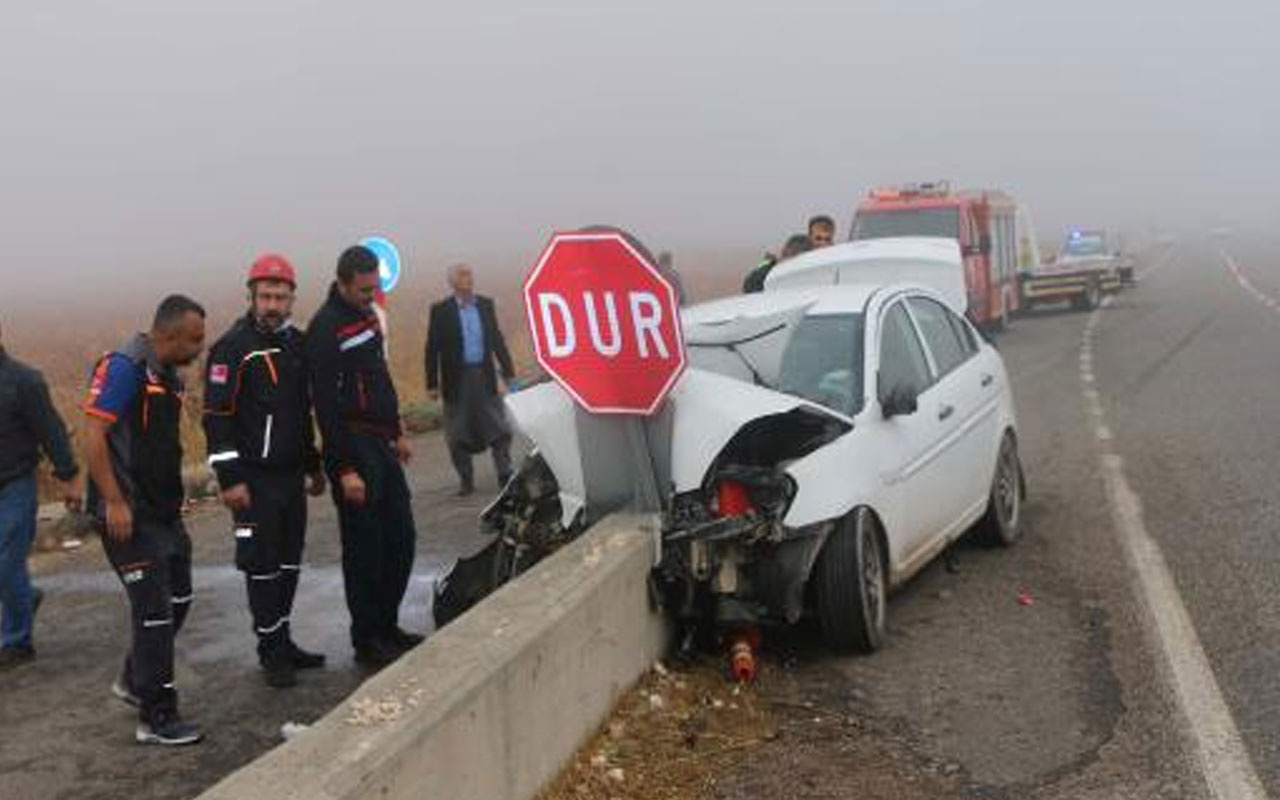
{"x": 1085, "y": 245}
{"x": 943, "y": 222}
{"x": 823, "y": 362}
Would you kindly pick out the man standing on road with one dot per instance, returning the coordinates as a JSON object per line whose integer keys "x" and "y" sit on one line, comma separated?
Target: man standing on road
{"x": 28, "y": 423}
{"x": 133, "y": 449}
{"x": 364, "y": 450}
{"x": 261, "y": 444}
{"x": 463, "y": 341}
{"x": 822, "y": 231}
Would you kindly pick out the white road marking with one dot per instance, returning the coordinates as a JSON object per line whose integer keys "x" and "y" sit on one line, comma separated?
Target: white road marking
{"x": 1224, "y": 761}
{"x": 1246, "y": 284}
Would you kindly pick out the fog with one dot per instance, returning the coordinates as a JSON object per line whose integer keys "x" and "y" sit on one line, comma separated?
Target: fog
{"x": 172, "y": 141}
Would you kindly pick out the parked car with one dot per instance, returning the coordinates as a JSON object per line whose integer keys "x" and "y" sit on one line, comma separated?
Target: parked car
{"x": 824, "y": 445}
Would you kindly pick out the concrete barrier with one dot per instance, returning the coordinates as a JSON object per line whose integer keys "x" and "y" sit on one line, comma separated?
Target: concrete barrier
{"x": 494, "y": 704}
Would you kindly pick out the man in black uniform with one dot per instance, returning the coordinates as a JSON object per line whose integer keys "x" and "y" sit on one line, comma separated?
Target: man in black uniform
{"x": 359, "y": 416}
{"x": 134, "y": 453}
{"x": 261, "y": 444}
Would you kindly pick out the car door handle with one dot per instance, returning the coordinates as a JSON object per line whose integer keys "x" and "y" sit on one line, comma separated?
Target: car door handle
{"x": 945, "y": 412}
{"x": 987, "y": 380}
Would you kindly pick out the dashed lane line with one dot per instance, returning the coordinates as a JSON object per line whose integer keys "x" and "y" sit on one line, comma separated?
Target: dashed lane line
{"x": 1223, "y": 760}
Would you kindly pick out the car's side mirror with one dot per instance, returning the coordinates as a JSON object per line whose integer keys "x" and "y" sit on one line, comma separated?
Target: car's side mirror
{"x": 900, "y": 401}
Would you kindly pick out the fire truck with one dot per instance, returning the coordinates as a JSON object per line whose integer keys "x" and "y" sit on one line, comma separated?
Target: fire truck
{"x": 985, "y": 222}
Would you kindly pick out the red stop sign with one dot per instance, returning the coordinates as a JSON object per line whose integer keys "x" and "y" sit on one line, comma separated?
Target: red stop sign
{"x": 605, "y": 323}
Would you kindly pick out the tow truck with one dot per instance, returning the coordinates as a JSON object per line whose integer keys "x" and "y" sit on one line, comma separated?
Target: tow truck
{"x": 1083, "y": 271}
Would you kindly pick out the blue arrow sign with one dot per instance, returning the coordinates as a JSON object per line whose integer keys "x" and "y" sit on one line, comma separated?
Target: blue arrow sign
{"x": 388, "y": 260}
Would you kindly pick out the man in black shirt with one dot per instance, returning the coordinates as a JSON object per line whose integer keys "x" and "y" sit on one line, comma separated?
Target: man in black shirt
{"x": 261, "y": 444}
{"x": 28, "y": 424}
{"x": 364, "y": 449}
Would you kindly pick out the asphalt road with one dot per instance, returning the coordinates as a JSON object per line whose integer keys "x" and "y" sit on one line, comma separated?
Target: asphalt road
{"x": 62, "y": 734}
{"x": 1073, "y": 696}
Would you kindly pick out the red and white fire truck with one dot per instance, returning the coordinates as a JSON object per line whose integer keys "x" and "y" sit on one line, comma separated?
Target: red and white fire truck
{"x": 985, "y": 222}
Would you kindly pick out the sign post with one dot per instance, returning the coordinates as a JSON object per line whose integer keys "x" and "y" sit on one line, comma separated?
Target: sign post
{"x": 606, "y": 326}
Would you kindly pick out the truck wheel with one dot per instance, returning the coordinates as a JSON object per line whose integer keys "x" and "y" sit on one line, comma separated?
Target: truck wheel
{"x": 1001, "y": 525}
{"x": 1090, "y": 298}
{"x": 851, "y": 586}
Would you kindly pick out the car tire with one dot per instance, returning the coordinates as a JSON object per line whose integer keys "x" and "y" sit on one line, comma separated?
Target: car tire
{"x": 851, "y": 588}
{"x": 1001, "y": 525}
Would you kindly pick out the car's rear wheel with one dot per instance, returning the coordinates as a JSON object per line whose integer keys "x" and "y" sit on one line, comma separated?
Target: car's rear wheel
{"x": 1001, "y": 525}
{"x": 851, "y": 587}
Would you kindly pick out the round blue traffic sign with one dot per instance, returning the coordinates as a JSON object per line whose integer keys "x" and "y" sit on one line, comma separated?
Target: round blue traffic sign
{"x": 388, "y": 260}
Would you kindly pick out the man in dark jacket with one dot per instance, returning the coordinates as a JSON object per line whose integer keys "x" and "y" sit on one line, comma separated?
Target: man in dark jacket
{"x": 796, "y": 244}
{"x": 133, "y": 449}
{"x": 28, "y": 424}
{"x": 463, "y": 342}
{"x": 261, "y": 444}
{"x": 359, "y": 416}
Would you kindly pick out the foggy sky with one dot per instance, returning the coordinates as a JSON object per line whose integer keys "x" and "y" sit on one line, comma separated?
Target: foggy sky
{"x": 175, "y": 138}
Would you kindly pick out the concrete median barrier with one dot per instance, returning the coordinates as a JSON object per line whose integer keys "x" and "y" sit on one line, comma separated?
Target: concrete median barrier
{"x": 492, "y": 705}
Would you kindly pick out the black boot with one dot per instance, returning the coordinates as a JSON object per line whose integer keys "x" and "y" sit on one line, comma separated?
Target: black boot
{"x": 302, "y": 659}
{"x": 277, "y": 666}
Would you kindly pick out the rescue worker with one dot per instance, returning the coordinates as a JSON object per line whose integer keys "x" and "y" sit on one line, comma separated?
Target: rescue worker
{"x": 29, "y": 424}
{"x": 134, "y": 455}
{"x": 464, "y": 345}
{"x": 261, "y": 445}
{"x": 364, "y": 449}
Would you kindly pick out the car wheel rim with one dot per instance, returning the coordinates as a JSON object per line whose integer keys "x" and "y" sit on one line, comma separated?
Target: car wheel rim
{"x": 872, "y": 579}
{"x": 1007, "y": 495}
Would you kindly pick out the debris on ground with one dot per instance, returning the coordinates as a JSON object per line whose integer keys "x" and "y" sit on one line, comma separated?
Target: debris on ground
{"x": 668, "y": 738}
{"x": 367, "y": 711}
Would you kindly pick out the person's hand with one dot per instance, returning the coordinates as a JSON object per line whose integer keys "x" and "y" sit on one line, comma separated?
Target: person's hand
{"x": 69, "y": 494}
{"x": 403, "y": 453}
{"x": 316, "y": 483}
{"x": 433, "y": 394}
{"x": 119, "y": 520}
{"x": 237, "y": 498}
{"x": 353, "y": 491}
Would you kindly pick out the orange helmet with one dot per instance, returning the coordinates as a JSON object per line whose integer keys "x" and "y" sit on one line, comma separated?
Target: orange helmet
{"x": 272, "y": 267}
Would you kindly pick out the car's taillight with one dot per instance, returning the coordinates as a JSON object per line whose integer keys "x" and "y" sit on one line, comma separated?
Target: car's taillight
{"x": 732, "y": 499}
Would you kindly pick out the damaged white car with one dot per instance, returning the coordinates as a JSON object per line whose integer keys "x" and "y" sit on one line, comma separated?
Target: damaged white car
{"x": 826, "y": 442}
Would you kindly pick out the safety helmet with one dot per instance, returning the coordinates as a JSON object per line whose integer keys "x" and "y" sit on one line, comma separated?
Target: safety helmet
{"x": 272, "y": 267}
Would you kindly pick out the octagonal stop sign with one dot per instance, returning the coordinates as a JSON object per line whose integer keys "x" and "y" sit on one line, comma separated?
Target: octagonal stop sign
{"x": 605, "y": 323}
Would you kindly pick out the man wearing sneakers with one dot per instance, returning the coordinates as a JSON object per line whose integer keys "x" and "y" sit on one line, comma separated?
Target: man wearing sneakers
{"x": 261, "y": 444}
{"x": 364, "y": 450}
{"x": 134, "y": 454}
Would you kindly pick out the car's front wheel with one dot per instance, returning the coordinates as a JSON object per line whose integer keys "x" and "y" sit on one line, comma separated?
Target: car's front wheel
{"x": 1002, "y": 524}
{"x": 851, "y": 587}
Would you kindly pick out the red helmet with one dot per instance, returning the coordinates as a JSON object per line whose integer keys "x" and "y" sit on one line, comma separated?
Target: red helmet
{"x": 272, "y": 267}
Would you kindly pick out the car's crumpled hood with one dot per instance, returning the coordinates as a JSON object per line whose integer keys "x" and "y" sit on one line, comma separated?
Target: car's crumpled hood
{"x": 701, "y": 415}
{"x": 710, "y": 409}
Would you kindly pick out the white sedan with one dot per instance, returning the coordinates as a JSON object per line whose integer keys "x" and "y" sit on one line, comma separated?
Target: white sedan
{"x": 831, "y": 442}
